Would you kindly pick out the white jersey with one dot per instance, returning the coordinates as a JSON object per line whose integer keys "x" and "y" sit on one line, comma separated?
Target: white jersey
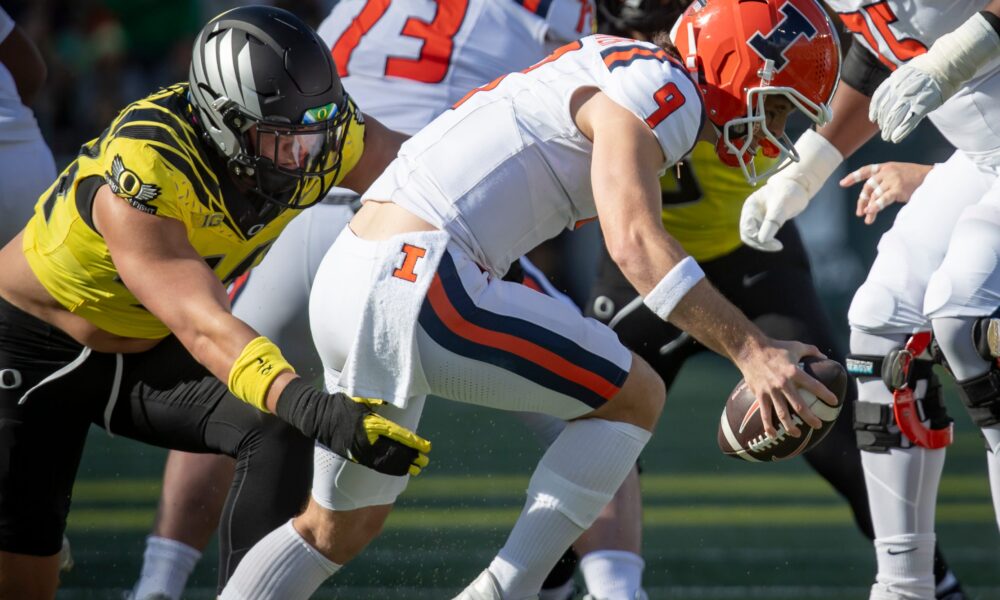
{"x": 498, "y": 200}
{"x": 896, "y": 31}
{"x": 407, "y": 61}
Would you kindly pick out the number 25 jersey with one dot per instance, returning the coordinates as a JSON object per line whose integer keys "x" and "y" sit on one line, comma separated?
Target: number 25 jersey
{"x": 507, "y": 168}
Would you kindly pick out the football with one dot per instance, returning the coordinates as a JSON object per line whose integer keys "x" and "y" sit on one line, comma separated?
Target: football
{"x": 741, "y": 431}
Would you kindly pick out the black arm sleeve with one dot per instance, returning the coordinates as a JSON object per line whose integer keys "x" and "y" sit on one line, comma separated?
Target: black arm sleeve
{"x": 862, "y": 70}
{"x": 992, "y": 19}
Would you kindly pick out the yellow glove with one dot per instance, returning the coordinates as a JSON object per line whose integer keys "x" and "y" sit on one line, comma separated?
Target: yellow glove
{"x": 351, "y": 428}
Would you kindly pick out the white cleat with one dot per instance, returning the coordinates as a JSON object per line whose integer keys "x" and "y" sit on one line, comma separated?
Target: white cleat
{"x": 639, "y": 595}
{"x": 129, "y": 595}
{"x": 485, "y": 587}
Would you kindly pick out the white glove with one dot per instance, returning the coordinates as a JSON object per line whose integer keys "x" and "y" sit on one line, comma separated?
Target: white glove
{"x": 767, "y": 209}
{"x": 920, "y": 86}
{"x": 787, "y": 192}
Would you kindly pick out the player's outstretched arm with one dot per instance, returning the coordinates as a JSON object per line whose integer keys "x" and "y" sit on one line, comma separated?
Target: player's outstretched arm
{"x": 626, "y": 163}
{"x": 787, "y": 193}
{"x": 924, "y": 83}
{"x": 161, "y": 268}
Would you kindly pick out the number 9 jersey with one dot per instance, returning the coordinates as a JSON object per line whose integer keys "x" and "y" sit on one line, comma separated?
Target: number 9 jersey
{"x": 501, "y": 199}
{"x": 152, "y": 158}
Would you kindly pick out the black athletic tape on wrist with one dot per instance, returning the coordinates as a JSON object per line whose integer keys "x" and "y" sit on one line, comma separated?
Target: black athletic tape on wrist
{"x": 993, "y": 20}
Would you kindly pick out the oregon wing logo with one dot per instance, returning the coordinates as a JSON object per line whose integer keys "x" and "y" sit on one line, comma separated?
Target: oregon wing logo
{"x": 126, "y": 184}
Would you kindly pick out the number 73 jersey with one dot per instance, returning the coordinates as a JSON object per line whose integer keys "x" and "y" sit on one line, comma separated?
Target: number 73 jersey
{"x": 507, "y": 168}
{"x": 408, "y": 60}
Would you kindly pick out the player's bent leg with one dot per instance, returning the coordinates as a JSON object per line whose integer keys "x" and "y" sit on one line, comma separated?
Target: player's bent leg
{"x": 50, "y": 386}
{"x": 902, "y": 481}
{"x": 347, "y": 509}
{"x": 592, "y": 375}
{"x": 969, "y": 346}
{"x": 610, "y": 551}
{"x": 28, "y": 577}
{"x": 575, "y": 479}
{"x": 194, "y": 493}
{"x": 962, "y": 291}
{"x": 190, "y": 410}
{"x": 613, "y": 542}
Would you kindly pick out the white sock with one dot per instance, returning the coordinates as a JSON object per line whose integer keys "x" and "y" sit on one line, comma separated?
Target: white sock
{"x": 574, "y": 480}
{"x": 905, "y": 568}
{"x": 612, "y": 574}
{"x": 166, "y": 566}
{"x": 563, "y": 592}
{"x": 281, "y": 565}
{"x": 992, "y": 435}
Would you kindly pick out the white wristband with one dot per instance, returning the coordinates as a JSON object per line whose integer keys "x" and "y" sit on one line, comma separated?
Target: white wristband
{"x": 818, "y": 159}
{"x": 663, "y": 298}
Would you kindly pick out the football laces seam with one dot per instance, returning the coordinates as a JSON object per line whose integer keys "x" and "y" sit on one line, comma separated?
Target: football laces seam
{"x": 764, "y": 441}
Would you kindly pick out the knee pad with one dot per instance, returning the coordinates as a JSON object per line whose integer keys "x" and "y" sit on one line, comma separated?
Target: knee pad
{"x": 875, "y": 424}
{"x": 341, "y": 485}
{"x": 873, "y": 307}
{"x": 916, "y": 400}
{"x": 980, "y": 393}
{"x": 981, "y": 396}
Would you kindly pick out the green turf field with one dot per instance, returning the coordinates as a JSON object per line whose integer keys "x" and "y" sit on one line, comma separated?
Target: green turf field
{"x": 715, "y": 528}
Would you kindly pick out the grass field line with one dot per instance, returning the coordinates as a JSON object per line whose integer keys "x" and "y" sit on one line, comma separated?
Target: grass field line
{"x": 679, "y": 592}
{"x": 702, "y": 515}
{"x": 654, "y": 486}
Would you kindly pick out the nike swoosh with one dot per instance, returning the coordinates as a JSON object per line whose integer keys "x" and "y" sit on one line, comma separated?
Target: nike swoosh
{"x": 907, "y": 551}
{"x": 749, "y": 280}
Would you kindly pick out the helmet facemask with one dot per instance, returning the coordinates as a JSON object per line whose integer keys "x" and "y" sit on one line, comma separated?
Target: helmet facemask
{"x": 741, "y": 54}
{"x": 738, "y": 140}
{"x": 268, "y": 99}
{"x": 283, "y": 160}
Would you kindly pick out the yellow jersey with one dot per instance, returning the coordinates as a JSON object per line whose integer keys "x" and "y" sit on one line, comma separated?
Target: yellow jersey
{"x": 151, "y": 157}
{"x": 701, "y": 209}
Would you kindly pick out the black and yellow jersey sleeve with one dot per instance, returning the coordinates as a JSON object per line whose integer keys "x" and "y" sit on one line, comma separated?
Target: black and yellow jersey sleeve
{"x": 701, "y": 208}
{"x": 151, "y": 157}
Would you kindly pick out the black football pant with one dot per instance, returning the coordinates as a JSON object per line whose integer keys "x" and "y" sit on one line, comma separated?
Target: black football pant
{"x": 161, "y": 397}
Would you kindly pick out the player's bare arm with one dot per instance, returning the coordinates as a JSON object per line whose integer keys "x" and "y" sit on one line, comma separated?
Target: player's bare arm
{"x": 627, "y": 159}
{"x": 159, "y": 265}
{"x": 381, "y": 146}
{"x": 850, "y": 127}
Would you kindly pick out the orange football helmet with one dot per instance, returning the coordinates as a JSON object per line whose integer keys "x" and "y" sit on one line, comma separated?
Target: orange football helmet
{"x": 742, "y": 51}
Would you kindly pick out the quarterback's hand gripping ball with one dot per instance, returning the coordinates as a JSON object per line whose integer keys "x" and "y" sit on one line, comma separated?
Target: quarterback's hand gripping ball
{"x": 741, "y": 430}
